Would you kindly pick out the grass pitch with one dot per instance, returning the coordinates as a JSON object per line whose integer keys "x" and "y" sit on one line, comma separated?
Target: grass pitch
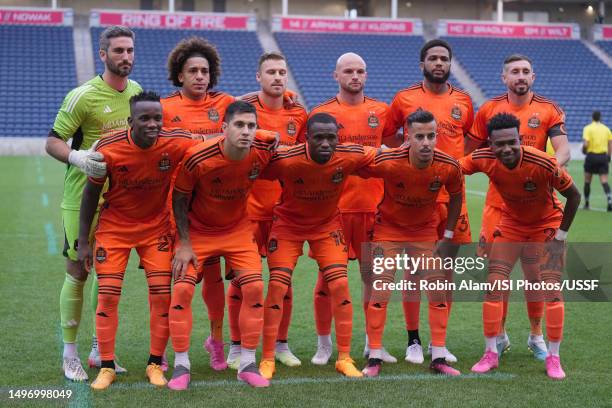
{"x": 32, "y": 271}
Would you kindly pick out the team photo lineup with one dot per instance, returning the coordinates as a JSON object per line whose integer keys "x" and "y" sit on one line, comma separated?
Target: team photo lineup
{"x": 218, "y": 195}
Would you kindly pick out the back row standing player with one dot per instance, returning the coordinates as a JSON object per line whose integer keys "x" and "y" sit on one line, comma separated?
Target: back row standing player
{"x": 361, "y": 120}
{"x": 540, "y": 119}
{"x": 454, "y": 114}
{"x": 99, "y": 107}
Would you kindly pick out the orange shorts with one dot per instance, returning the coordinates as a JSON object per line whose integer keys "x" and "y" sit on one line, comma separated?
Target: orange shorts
{"x": 237, "y": 246}
{"x": 111, "y": 256}
{"x": 357, "y": 227}
{"x": 261, "y": 231}
{"x": 463, "y": 234}
{"x": 490, "y": 219}
{"x": 427, "y": 232}
{"x": 328, "y": 251}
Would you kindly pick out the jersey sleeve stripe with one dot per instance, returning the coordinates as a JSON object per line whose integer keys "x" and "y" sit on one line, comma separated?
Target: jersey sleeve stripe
{"x": 193, "y": 163}
{"x": 286, "y": 156}
{"x": 539, "y": 163}
{"x": 542, "y": 161}
{"x": 112, "y": 139}
{"x": 77, "y": 96}
{"x": 205, "y": 151}
{"x": 327, "y": 102}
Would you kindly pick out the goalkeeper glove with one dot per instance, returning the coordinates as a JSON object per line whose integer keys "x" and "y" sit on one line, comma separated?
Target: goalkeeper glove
{"x": 90, "y": 162}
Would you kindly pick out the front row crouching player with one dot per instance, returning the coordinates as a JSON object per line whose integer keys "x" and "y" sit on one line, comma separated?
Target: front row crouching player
{"x": 312, "y": 177}
{"x": 414, "y": 175}
{"x": 533, "y": 227}
{"x": 210, "y": 203}
{"x": 140, "y": 163}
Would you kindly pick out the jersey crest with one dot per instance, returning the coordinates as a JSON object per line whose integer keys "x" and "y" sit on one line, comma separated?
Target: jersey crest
{"x": 213, "y": 115}
{"x": 338, "y": 176}
{"x": 164, "y": 162}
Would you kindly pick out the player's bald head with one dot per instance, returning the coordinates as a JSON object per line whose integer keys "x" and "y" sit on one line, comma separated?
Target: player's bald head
{"x": 349, "y": 58}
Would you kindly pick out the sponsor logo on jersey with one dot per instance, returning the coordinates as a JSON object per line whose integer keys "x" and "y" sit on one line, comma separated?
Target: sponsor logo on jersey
{"x": 338, "y": 176}
{"x": 291, "y": 128}
{"x": 213, "y": 115}
{"x": 373, "y": 121}
{"x": 456, "y": 113}
{"x": 164, "y": 162}
{"x": 122, "y": 169}
{"x": 100, "y": 254}
{"x": 254, "y": 173}
{"x": 530, "y": 185}
{"x": 534, "y": 122}
{"x": 435, "y": 185}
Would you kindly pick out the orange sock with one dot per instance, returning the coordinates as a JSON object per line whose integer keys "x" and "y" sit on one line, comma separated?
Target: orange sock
{"x": 322, "y": 307}
{"x": 555, "y": 313}
{"x": 505, "y": 309}
{"x": 252, "y": 310}
{"x": 213, "y": 294}
{"x": 159, "y": 304}
{"x": 234, "y": 302}
{"x": 411, "y": 314}
{"x": 280, "y": 280}
{"x": 181, "y": 319}
{"x": 375, "y": 326}
{"x": 535, "y": 310}
{"x": 342, "y": 307}
{"x": 491, "y": 317}
{"x": 283, "y": 329}
{"x": 438, "y": 321}
{"x": 107, "y": 319}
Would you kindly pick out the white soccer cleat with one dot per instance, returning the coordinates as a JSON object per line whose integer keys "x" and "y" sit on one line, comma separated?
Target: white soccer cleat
{"x": 386, "y": 357}
{"x": 322, "y": 355}
{"x": 94, "y": 361}
{"x": 414, "y": 354}
{"x": 73, "y": 370}
{"x": 233, "y": 357}
{"x": 448, "y": 356}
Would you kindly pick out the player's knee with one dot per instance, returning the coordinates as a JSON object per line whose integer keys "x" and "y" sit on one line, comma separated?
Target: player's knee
{"x": 76, "y": 270}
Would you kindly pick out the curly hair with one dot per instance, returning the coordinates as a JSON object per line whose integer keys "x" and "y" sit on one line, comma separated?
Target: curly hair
{"x": 503, "y": 120}
{"x": 193, "y": 47}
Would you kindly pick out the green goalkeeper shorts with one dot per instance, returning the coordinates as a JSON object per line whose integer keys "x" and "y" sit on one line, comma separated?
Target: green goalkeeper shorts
{"x": 70, "y": 219}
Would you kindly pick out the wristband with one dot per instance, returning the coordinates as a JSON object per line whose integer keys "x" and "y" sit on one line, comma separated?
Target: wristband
{"x": 561, "y": 235}
{"x": 449, "y": 234}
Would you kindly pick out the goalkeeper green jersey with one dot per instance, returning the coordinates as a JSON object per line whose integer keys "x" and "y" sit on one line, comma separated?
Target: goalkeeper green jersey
{"x": 89, "y": 112}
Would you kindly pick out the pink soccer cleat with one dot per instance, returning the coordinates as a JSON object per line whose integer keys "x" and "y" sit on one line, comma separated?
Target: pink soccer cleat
{"x": 553, "y": 368}
{"x": 251, "y": 376}
{"x": 180, "y": 379}
{"x": 373, "y": 368}
{"x": 488, "y": 362}
{"x": 441, "y": 366}
{"x": 217, "y": 355}
{"x": 164, "y": 363}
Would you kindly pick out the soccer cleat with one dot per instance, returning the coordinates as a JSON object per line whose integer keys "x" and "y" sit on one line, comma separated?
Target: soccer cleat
{"x": 414, "y": 354}
{"x": 105, "y": 378}
{"x": 440, "y": 366}
{"x": 180, "y": 379}
{"x": 164, "y": 362}
{"x": 373, "y": 368}
{"x": 502, "y": 343}
{"x": 233, "y": 357}
{"x": 553, "y": 368}
{"x": 267, "y": 368}
{"x": 538, "y": 348}
{"x": 252, "y": 377}
{"x": 217, "y": 356}
{"x": 386, "y": 357}
{"x": 94, "y": 361}
{"x": 488, "y": 362}
{"x": 586, "y": 205}
{"x": 288, "y": 358}
{"x": 346, "y": 367}
{"x": 322, "y": 355}
{"x": 155, "y": 375}
{"x": 448, "y": 356}
{"x": 73, "y": 370}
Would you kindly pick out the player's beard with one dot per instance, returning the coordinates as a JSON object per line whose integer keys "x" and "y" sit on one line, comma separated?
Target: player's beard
{"x": 114, "y": 68}
{"x": 354, "y": 91}
{"x": 524, "y": 91}
{"x": 436, "y": 80}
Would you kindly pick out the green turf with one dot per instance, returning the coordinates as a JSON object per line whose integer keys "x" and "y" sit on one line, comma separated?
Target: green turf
{"x": 30, "y": 343}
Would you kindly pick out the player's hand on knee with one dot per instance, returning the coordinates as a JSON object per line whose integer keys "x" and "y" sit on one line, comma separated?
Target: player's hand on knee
{"x": 183, "y": 256}
{"x": 84, "y": 255}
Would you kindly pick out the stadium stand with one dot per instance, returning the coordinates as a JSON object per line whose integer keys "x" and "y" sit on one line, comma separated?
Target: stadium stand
{"x": 606, "y": 46}
{"x": 38, "y": 69}
{"x": 239, "y": 51}
{"x": 566, "y": 72}
{"x": 392, "y": 62}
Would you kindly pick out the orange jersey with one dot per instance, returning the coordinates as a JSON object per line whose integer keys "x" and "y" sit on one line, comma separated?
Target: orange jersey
{"x": 219, "y": 186}
{"x": 526, "y": 190}
{"x": 309, "y": 202}
{"x": 139, "y": 179}
{"x": 538, "y": 118}
{"x": 291, "y": 125}
{"x": 202, "y": 117}
{"x": 410, "y": 192}
{"x": 361, "y": 124}
{"x": 453, "y": 111}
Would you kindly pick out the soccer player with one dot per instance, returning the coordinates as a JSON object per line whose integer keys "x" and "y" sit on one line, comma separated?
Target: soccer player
{"x": 454, "y": 114}
{"x": 194, "y": 66}
{"x": 597, "y": 147}
{"x": 140, "y": 164}
{"x": 290, "y": 122}
{"x": 541, "y": 120}
{"x": 413, "y": 176}
{"x": 361, "y": 120}
{"x": 209, "y": 203}
{"x": 99, "y": 107}
{"x": 532, "y": 215}
{"x": 313, "y": 176}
